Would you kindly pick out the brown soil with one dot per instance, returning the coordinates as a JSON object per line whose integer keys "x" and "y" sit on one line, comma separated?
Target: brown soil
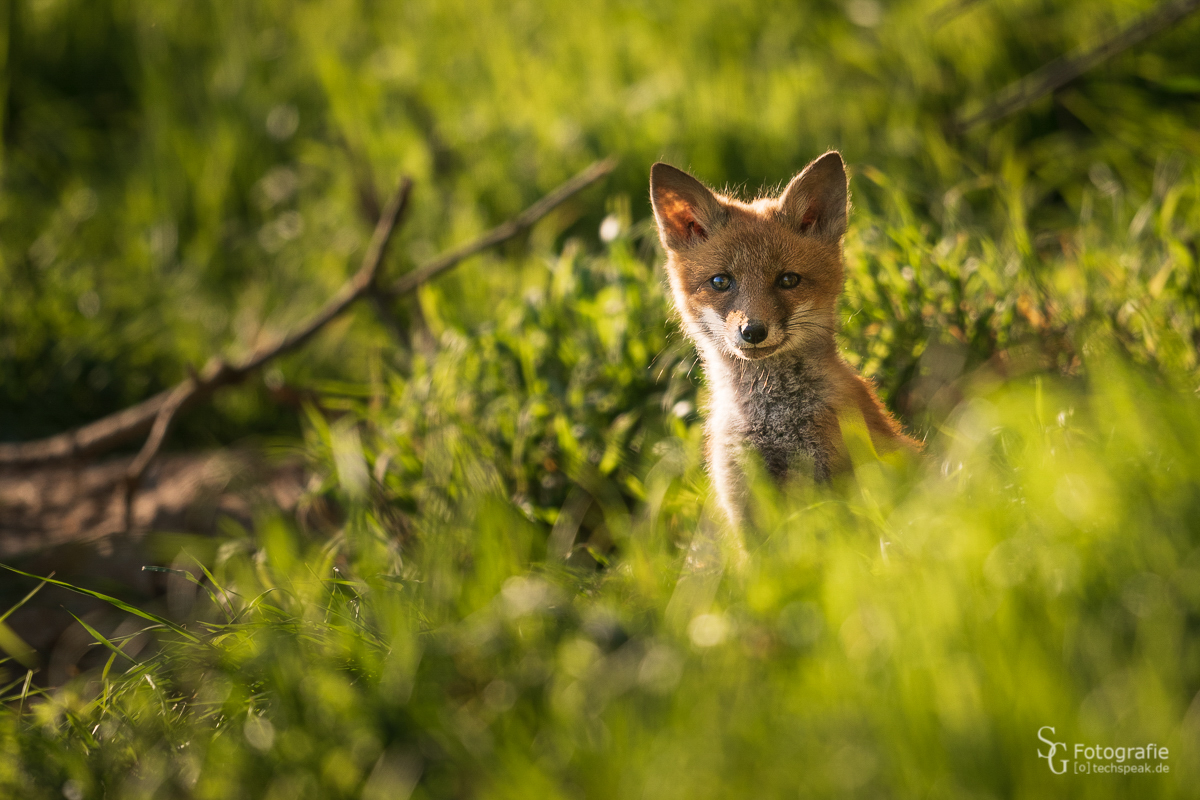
{"x": 70, "y": 520}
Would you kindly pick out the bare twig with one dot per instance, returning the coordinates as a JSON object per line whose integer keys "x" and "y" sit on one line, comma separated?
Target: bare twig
{"x": 154, "y": 413}
{"x": 158, "y": 433}
{"x": 158, "y": 412}
{"x": 353, "y": 289}
{"x": 95, "y": 437}
{"x": 501, "y": 233}
{"x": 1062, "y": 71}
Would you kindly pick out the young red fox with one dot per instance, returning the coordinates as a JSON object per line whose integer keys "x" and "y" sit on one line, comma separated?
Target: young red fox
{"x": 757, "y": 286}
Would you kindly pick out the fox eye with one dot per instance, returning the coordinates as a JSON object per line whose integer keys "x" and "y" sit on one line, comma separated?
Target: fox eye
{"x": 721, "y": 282}
{"x": 788, "y": 280}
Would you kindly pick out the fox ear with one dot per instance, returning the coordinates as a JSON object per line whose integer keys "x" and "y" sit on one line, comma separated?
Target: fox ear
{"x": 686, "y": 211}
{"x": 816, "y": 201}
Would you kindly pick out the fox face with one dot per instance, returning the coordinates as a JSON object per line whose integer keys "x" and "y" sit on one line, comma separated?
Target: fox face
{"x": 756, "y": 280}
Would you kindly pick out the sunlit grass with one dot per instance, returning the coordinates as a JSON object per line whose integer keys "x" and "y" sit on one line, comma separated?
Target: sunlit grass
{"x": 506, "y": 578}
{"x": 904, "y": 632}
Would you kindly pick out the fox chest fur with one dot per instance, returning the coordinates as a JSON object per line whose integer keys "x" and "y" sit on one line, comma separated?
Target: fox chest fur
{"x": 756, "y": 286}
{"x": 778, "y": 414}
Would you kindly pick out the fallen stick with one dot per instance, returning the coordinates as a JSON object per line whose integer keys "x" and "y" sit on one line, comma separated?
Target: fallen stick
{"x": 501, "y": 233}
{"x": 1063, "y": 70}
{"x": 137, "y": 420}
{"x": 183, "y": 393}
{"x": 129, "y": 423}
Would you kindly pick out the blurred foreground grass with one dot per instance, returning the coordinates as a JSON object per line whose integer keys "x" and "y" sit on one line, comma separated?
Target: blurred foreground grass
{"x": 905, "y": 633}
{"x": 515, "y": 591}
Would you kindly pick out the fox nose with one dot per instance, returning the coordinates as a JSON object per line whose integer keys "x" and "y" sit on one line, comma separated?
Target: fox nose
{"x": 753, "y": 331}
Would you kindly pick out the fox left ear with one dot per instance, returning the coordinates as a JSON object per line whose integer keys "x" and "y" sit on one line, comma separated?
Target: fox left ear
{"x": 816, "y": 201}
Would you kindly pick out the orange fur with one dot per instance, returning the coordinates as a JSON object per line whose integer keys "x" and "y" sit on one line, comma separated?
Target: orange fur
{"x": 756, "y": 285}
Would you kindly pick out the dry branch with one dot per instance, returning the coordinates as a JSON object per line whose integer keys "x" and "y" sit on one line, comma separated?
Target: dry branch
{"x": 1062, "y": 71}
{"x": 156, "y": 414}
{"x": 160, "y": 410}
{"x": 501, "y": 233}
{"x": 158, "y": 433}
{"x": 353, "y": 289}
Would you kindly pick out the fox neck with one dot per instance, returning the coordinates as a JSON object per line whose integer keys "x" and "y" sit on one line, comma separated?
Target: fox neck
{"x": 776, "y": 404}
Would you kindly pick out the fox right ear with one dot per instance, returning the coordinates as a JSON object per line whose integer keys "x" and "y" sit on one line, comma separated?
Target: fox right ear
{"x": 686, "y": 211}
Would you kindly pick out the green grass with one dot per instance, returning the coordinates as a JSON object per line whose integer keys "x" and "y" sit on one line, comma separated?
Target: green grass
{"x": 903, "y": 633}
{"x": 179, "y": 181}
{"x": 505, "y": 580}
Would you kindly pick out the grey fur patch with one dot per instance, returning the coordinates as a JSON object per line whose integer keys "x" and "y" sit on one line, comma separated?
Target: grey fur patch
{"x": 778, "y": 404}
{"x": 770, "y": 410}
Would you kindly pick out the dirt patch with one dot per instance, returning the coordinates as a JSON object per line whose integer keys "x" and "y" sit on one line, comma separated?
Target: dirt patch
{"x": 69, "y": 520}
{"x": 45, "y": 507}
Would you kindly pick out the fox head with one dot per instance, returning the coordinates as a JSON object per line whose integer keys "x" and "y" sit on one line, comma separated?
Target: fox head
{"x": 755, "y": 280}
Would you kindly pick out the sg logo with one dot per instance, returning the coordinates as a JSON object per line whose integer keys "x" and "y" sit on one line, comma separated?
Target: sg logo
{"x": 1053, "y": 749}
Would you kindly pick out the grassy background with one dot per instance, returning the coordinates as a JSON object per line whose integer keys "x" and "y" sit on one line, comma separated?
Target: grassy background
{"x": 509, "y": 596}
